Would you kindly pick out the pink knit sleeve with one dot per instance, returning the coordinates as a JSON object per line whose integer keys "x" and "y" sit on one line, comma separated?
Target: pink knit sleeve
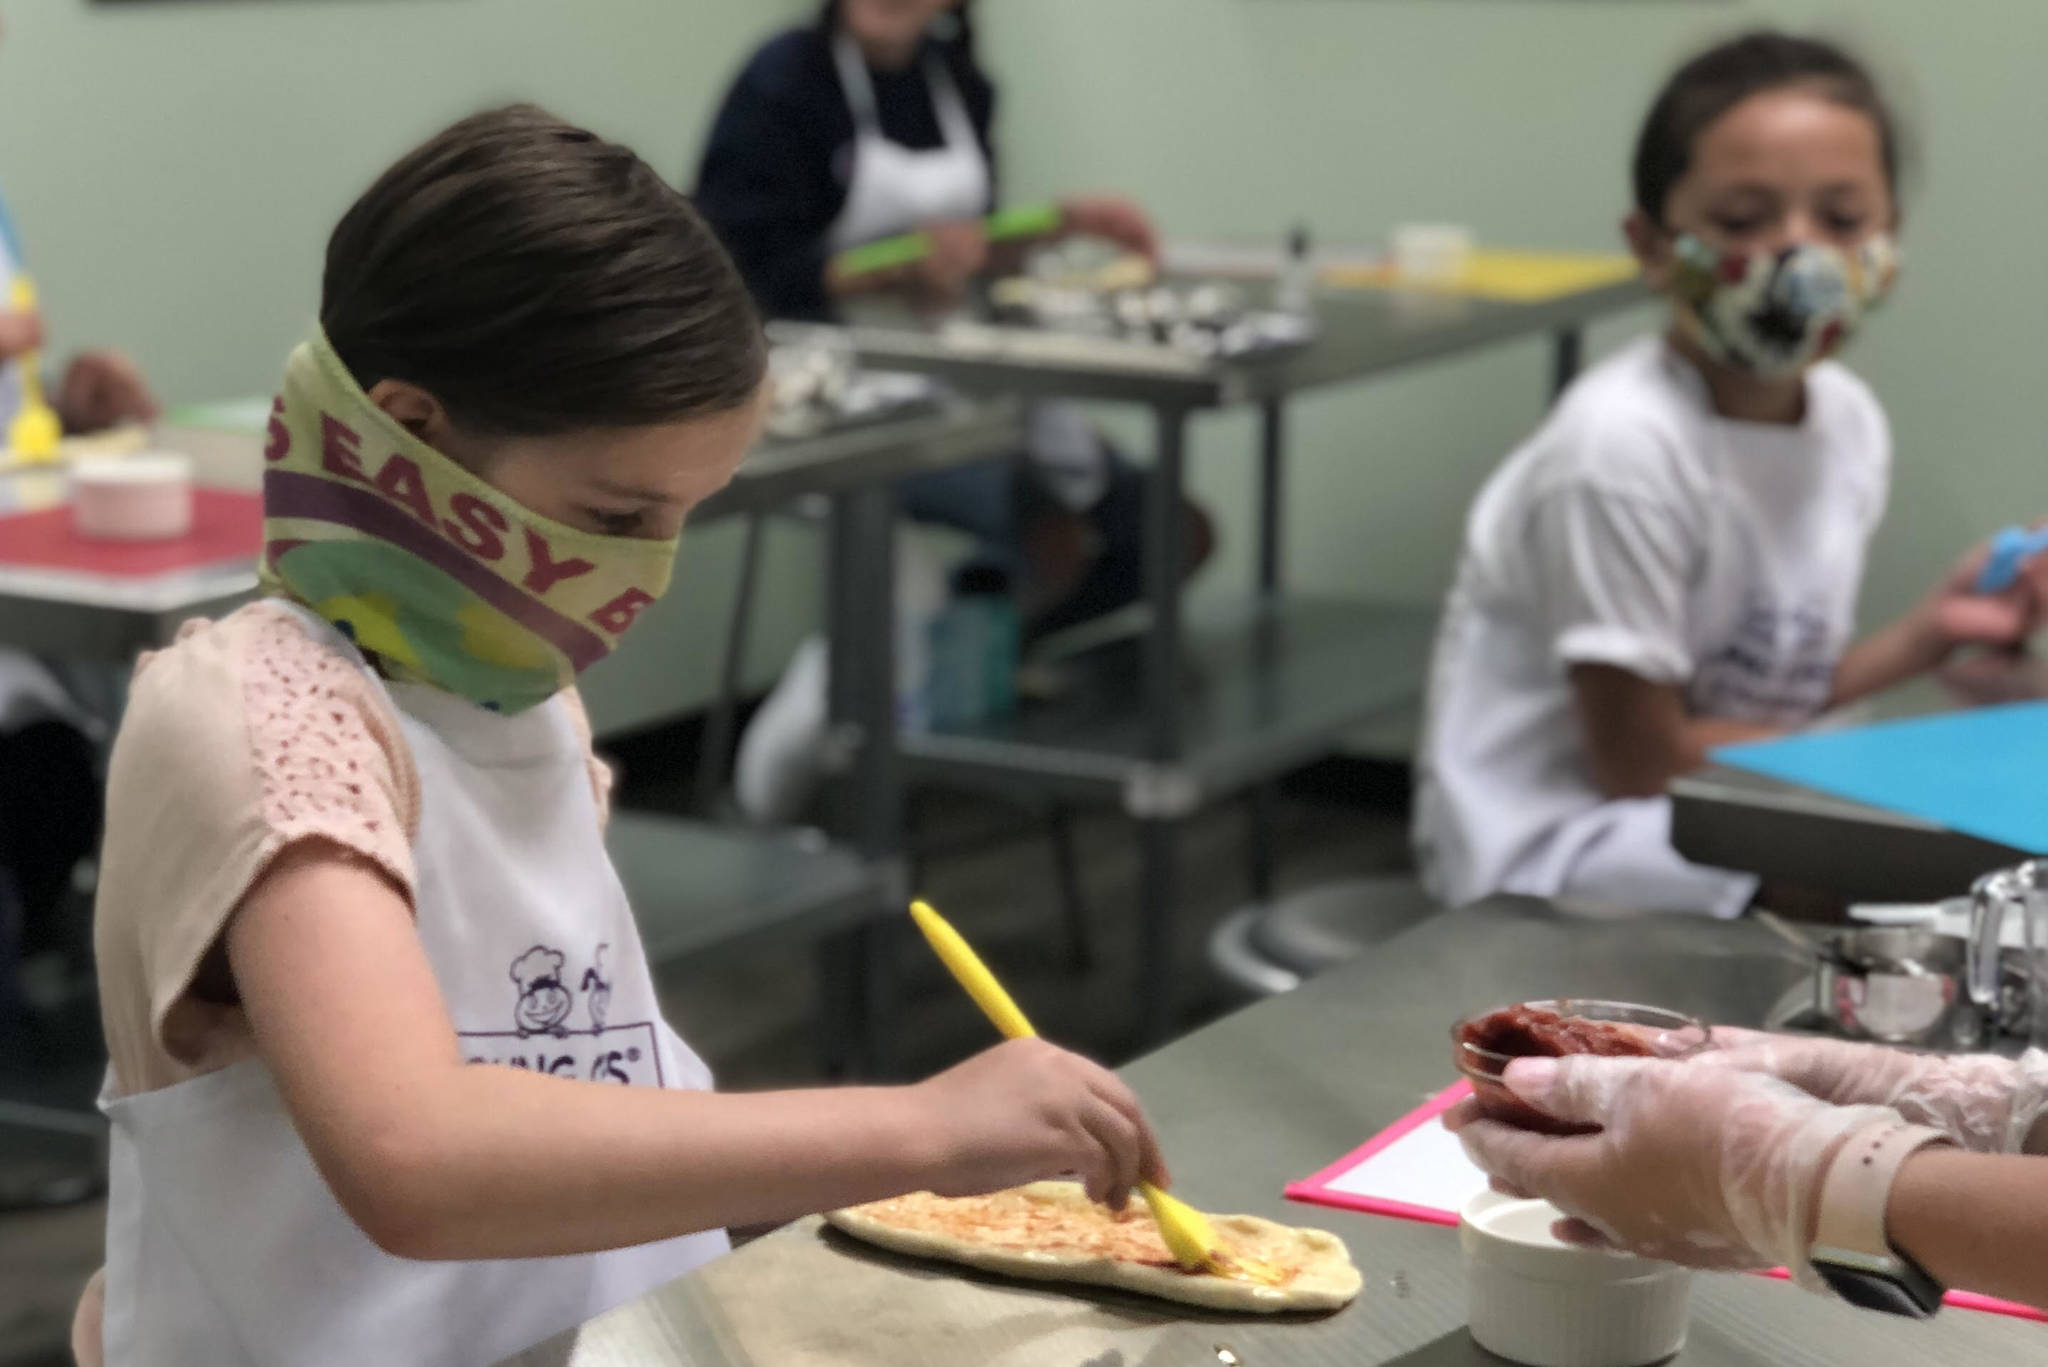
{"x": 247, "y": 736}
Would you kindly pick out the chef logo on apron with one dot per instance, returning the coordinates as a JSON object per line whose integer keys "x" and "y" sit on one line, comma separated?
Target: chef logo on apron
{"x": 546, "y": 1035}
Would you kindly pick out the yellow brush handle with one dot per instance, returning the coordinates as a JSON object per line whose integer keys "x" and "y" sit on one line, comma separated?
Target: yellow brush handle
{"x": 970, "y": 972}
{"x": 36, "y": 430}
{"x": 1187, "y": 1233}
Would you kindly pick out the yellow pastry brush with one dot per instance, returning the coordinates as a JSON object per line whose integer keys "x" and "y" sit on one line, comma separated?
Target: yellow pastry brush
{"x": 1186, "y": 1230}
{"x": 34, "y": 434}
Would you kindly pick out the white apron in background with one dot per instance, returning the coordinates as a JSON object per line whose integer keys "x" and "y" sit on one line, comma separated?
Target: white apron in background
{"x": 225, "y": 1246}
{"x": 891, "y": 189}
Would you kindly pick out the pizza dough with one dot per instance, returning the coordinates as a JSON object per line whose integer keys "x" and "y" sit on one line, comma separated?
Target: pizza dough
{"x": 1051, "y": 1231}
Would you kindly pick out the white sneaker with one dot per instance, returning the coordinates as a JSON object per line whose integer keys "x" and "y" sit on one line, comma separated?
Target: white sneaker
{"x": 782, "y": 755}
{"x": 781, "y": 762}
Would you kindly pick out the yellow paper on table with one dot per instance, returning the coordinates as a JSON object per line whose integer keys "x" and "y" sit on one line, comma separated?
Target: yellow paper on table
{"x": 1507, "y": 277}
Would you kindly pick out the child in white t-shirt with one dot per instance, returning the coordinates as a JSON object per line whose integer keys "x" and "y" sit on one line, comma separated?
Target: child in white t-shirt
{"x": 389, "y": 1080}
{"x": 1672, "y": 561}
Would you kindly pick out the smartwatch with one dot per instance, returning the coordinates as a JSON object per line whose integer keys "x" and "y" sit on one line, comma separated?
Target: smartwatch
{"x": 1851, "y": 1252}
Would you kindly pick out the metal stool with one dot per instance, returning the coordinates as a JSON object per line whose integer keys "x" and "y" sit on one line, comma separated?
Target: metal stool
{"x": 1272, "y": 947}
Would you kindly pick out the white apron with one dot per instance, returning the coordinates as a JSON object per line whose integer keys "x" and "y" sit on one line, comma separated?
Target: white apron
{"x": 1767, "y": 623}
{"x": 224, "y": 1245}
{"x": 891, "y": 189}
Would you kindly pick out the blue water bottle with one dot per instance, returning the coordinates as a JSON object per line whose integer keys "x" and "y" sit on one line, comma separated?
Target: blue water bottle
{"x": 975, "y": 643}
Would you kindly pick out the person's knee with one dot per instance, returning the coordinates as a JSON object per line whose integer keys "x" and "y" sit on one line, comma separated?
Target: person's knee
{"x": 1059, "y": 551}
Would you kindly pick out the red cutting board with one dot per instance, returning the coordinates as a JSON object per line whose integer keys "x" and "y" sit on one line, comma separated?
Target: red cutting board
{"x": 226, "y": 526}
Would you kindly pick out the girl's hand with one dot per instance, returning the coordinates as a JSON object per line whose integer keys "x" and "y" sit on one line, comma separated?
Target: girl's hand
{"x": 1113, "y": 220}
{"x": 101, "y": 389}
{"x": 1712, "y": 1167}
{"x": 1955, "y": 614}
{"x": 959, "y": 253}
{"x": 21, "y": 330}
{"x": 1027, "y": 1110}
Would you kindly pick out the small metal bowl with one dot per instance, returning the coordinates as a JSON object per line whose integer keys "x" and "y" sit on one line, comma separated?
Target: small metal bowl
{"x": 1671, "y": 1034}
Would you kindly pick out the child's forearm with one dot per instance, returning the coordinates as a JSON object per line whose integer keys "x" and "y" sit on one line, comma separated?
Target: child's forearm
{"x": 1888, "y": 656}
{"x": 1975, "y": 1221}
{"x": 507, "y": 1164}
{"x": 1640, "y": 735}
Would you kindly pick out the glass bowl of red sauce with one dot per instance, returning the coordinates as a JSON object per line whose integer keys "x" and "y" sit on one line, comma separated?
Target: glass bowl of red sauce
{"x": 1486, "y": 1042}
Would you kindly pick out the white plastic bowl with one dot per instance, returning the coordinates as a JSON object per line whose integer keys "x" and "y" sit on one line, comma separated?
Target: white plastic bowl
{"x": 1537, "y": 1301}
{"x": 132, "y": 498}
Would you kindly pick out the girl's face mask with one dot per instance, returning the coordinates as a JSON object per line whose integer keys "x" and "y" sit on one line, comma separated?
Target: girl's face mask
{"x": 1774, "y": 313}
{"x": 445, "y": 579}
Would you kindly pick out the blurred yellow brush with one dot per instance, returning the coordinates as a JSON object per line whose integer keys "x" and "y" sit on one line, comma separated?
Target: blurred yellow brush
{"x": 1185, "y": 1229}
{"x": 34, "y": 434}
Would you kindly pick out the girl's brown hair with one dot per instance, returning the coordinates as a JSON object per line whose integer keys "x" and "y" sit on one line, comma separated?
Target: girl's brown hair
{"x": 537, "y": 279}
{"x": 1722, "y": 77}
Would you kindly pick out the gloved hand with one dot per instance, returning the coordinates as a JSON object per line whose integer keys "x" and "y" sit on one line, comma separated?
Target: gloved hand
{"x": 1716, "y": 1168}
{"x": 1983, "y": 1102}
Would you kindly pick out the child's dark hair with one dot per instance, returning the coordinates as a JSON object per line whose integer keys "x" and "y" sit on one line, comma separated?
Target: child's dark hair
{"x": 1722, "y": 77}
{"x": 537, "y": 279}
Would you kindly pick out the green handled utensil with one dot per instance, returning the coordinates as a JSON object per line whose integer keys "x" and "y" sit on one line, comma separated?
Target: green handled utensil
{"x": 907, "y": 249}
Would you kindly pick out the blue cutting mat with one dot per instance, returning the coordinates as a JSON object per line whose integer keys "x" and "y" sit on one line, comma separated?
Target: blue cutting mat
{"x": 1983, "y": 772}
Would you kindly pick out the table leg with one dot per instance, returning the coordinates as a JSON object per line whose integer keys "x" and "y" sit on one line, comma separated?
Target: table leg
{"x": 865, "y": 803}
{"x": 1165, "y": 537}
{"x": 1165, "y": 554}
{"x": 1260, "y": 812}
{"x": 1567, "y": 348}
{"x": 1260, "y": 801}
{"x": 1272, "y": 490}
{"x": 839, "y": 1005}
{"x": 1159, "y": 915}
{"x": 718, "y": 733}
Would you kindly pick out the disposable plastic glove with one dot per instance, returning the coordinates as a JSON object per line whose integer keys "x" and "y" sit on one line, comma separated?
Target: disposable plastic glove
{"x": 1716, "y": 1168}
{"x": 1985, "y": 1103}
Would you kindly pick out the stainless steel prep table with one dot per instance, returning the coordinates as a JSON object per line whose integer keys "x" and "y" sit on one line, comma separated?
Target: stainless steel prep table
{"x": 1165, "y": 752}
{"x": 1287, "y": 1086}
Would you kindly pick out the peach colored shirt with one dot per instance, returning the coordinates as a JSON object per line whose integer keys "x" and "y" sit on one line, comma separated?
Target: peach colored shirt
{"x": 245, "y": 737}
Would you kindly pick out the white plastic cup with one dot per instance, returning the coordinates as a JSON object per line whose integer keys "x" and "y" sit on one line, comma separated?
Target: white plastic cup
{"x": 1538, "y": 1301}
{"x": 144, "y": 497}
{"x": 1432, "y": 255}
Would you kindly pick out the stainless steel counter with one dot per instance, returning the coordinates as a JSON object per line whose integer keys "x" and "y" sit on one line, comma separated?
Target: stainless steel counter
{"x": 1361, "y": 332}
{"x": 1734, "y": 819}
{"x": 1280, "y": 1090}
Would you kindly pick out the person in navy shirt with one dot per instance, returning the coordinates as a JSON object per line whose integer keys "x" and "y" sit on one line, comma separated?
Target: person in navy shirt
{"x": 876, "y": 120}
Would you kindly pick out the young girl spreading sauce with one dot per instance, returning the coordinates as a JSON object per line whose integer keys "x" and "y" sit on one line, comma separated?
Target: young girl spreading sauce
{"x": 1672, "y": 562}
{"x": 389, "y": 1082}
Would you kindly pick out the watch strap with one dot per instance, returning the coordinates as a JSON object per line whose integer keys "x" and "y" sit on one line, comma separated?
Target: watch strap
{"x": 1858, "y": 1188}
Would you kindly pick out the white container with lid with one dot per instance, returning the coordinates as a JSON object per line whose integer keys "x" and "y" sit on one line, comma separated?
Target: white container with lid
{"x": 132, "y": 498}
{"x": 1432, "y": 255}
{"x": 1539, "y": 1301}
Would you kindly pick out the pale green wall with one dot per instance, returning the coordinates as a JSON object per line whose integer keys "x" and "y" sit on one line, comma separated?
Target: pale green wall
{"x": 1232, "y": 117}
{"x": 175, "y": 168}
